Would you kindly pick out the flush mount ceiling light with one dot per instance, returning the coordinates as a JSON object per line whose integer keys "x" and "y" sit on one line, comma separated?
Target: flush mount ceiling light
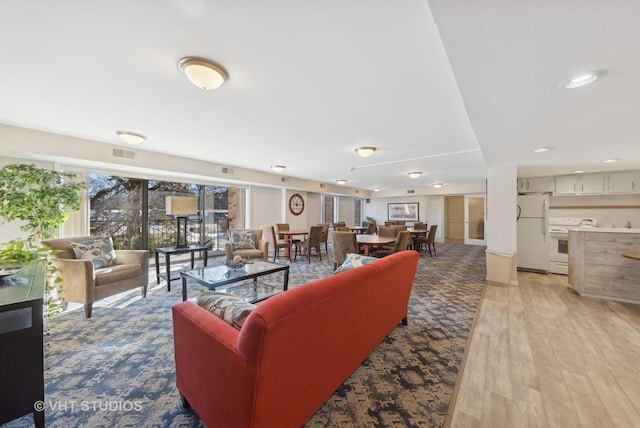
{"x": 582, "y": 79}
{"x": 341, "y": 181}
{"x": 542, "y": 149}
{"x": 203, "y": 73}
{"x": 278, "y": 168}
{"x": 365, "y": 152}
{"x": 415, "y": 174}
{"x": 437, "y": 185}
{"x": 611, "y": 160}
{"x": 131, "y": 137}
{"x": 377, "y": 189}
{"x": 577, "y": 171}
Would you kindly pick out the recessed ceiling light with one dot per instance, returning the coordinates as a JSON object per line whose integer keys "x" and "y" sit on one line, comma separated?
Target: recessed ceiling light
{"x": 131, "y": 137}
{"x": 582, "y": 79}
{"x": 341, "y": 181}
{"x": 577, "y": 171}
{"x": 542, "y": 149}
{"x": 377, "y": 189}
{"x": 415, "y": 174}
{"x": 437, "y": 185}
{"x": 365, "y": 152}
{"x": 611, "y": 160}
{"x": 278, "y": 168}
{"x": 203, "y": 73}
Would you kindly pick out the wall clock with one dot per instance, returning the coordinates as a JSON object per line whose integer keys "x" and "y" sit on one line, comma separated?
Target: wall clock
{"x": 296, "y": 204}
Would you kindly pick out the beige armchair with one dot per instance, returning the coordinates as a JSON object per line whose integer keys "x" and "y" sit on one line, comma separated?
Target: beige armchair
{"x": 82, "y": 283}
{"x": 240, "y": 244}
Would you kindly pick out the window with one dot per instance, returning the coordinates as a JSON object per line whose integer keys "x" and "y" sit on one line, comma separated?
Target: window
{"x": 328, "y": 209}
{"x": 357, "y": 212}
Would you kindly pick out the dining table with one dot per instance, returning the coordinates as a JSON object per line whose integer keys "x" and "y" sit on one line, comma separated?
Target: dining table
{"x": 370, "y": 241}
{"x": 358, "y": 229}
{"x": 288, "y": 235}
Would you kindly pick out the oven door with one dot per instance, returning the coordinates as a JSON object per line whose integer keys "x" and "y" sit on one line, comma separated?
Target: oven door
{"x": 559, "y": 247}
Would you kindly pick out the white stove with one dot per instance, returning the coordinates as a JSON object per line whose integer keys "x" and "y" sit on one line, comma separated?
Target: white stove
{"x": 559, "y": 240}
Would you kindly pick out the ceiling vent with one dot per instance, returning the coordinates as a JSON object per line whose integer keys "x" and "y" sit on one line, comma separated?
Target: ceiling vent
{"x": 322, "y": 185}
{"x": 411, "y": 191}
{"x": 226, "y": 170}
{"x": 283, "y": 179}
{"x": 357, "y": 191}
{"x": 124, "y": 154}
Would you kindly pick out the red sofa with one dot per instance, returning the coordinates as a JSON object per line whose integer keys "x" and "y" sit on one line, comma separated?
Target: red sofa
{"x": 294, "y": 349}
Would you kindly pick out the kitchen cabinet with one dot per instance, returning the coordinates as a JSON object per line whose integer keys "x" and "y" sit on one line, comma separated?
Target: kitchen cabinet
{"x": 623, "y": 182}
{"x": 566, "y": 185}
{"x": 591, "y": 184}
{"x": 535, "y": 185}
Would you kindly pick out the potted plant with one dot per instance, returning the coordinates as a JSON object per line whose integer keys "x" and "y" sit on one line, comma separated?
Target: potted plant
{"x": 42, "y": 199}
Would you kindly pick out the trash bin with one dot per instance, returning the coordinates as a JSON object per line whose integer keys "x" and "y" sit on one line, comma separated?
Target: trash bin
{"x": 499, "y": 267}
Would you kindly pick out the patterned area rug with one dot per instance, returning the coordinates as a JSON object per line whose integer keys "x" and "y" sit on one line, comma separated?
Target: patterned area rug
{"x": 116, "y": 369}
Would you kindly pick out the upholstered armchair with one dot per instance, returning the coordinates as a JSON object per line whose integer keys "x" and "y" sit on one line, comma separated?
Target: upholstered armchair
{"x": 247, "y": 243}
{"x": 89, "y": 278}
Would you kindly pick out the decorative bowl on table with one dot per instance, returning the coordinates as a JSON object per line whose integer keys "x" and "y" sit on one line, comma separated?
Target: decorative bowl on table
{"x": 236, "y": 264}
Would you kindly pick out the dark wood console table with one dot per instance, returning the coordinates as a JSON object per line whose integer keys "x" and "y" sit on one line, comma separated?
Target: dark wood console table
{"x": 21, "y": 336}
{"x": 168, "y": 251}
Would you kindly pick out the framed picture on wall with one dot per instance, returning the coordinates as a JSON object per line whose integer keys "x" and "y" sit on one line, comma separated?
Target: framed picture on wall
{"x": 407, "y": 211}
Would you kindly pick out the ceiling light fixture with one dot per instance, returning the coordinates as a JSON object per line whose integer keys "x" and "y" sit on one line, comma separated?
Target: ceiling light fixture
{"x": 341, "y": 181}
{"x": 203, "y": 73}
{"x": 415, "y": 174}
{"x": 365, "y": 152}
{"x": 577, "y": 171}
{"x": 582, "y": 79}
{"x": 377, "y": 189}
{"x": 131, "y": 137}
{"x": 611, "y": 160}
{"x": 278, "y": 168}
{"x": 542, "y": 149}
{"x": 437, "y": 185}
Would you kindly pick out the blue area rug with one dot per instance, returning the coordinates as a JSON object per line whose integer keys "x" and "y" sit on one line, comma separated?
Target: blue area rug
{"x": 116, "y": 369}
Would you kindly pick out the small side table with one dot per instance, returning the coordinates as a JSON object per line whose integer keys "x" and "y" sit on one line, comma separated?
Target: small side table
{"x": 168, "y": 251}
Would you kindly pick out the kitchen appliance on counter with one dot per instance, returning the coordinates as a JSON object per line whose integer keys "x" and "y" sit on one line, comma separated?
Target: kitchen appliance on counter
{"x": 559, "y": 240}
{"x": 533, "y": 245}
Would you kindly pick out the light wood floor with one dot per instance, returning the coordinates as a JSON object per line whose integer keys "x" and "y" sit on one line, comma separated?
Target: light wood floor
{"x": 543, "y": 356}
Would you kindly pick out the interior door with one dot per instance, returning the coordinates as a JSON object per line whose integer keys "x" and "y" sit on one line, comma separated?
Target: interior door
{"x": 474, "y": 210}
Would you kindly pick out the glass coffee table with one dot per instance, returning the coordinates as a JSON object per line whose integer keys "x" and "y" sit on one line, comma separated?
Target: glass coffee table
{"x": 236, "y": 281}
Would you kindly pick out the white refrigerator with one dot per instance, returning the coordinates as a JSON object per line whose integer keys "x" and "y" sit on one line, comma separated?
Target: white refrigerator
{"x": 533, "y": 245}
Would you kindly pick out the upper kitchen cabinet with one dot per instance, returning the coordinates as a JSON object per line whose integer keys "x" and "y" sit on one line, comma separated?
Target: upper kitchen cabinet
{"x": 584, "y": 184}
{"x": 535, "y": 185}
{"x": 566, "y": 185}
{"x": 591, "y": 184}
{"x": 623, "y": 182}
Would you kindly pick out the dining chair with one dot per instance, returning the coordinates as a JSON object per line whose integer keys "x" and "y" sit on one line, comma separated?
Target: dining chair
{"x": 371, "y": 228}
{"x": 313, "y": 241}
{"x": 285, "y": 226}
{"x": 401, "y": 244}
{"x": 342, "y": 229}
{"x": 431, "y": 239}
{"x": 386, "y": 232}
{"x": 338, "y": 224}
{"x": 389, "y": 223}
{"x": 278, "y": 244}
{"x": 418, "y": 225}
{"x": 325, "y": 235}
{"x": 343, "y": 243}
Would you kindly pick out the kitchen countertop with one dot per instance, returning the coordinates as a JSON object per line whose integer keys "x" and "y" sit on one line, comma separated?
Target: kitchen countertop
{"x": 607, "y": 229}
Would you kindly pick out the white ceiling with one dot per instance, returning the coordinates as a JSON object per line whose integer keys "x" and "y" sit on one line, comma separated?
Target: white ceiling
{"x": 309, "y": 81}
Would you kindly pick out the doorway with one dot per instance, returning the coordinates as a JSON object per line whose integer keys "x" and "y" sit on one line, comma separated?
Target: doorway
{"x": 454, "y": 219}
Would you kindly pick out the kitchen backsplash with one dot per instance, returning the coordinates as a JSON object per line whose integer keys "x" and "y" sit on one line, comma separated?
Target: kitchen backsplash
{"x": 609, "y": 210}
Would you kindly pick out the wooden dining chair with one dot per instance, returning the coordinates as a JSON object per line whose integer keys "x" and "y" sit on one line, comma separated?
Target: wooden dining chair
{"x": 325, "y": 235}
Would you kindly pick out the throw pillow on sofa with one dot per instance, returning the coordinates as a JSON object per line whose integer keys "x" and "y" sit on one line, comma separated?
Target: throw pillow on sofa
{"x": 99, "y": 251}
{"x": 231, "y": 309}
{"x": 353, "y": 260}
{"x": 243, "y": 240}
